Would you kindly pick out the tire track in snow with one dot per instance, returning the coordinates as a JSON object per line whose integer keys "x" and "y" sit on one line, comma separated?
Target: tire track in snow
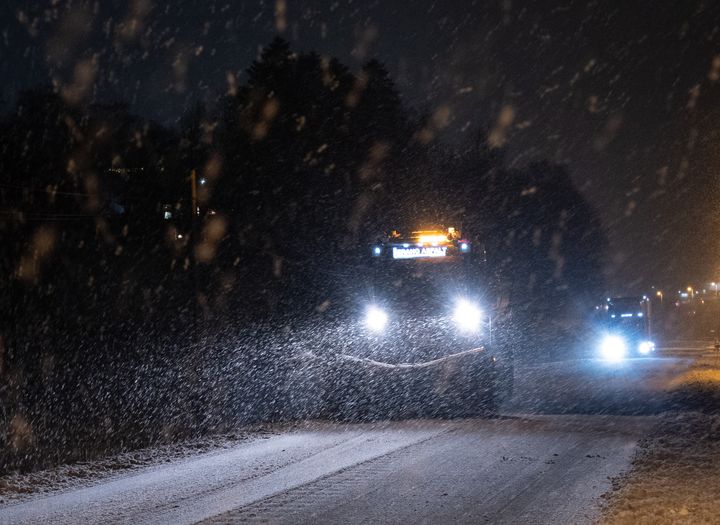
{"x": 193, "y": 490}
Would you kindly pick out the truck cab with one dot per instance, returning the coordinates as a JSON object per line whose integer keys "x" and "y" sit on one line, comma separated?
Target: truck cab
{"x": 426, "y": 296}
{"x": 424, "y": 316}
{"x": 628, "y": 328}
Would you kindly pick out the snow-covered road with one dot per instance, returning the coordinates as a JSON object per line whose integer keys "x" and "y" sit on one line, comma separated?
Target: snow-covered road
{"x": 571, "y": 426}
{"x": 194, "y": 489}
{"x": 515, "y": 469}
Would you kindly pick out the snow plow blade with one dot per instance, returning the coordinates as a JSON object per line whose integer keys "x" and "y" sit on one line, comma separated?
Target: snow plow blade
{"x": 457, "y": 385}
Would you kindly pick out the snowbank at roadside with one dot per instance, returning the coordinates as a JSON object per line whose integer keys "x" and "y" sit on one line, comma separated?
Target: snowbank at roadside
{"x": 676, "y": 471}
{"x": 16, "y": 487}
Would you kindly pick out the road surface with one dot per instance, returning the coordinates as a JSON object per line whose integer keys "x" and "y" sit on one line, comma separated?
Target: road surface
{"x": 571, "y": 426}
{"x": 534, "y": 469}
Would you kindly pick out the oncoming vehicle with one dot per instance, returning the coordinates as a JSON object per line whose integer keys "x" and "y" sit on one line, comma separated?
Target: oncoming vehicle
{"x": 425, "y": 317}
{"x": 628, "y": 328}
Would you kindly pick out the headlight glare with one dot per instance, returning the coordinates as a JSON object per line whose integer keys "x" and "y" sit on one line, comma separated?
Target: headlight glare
{"x": 467, "y": 316}
{"x": 375, "y": 319}
{"x": 646, "y": 347}
{"x": 613, "y": 348}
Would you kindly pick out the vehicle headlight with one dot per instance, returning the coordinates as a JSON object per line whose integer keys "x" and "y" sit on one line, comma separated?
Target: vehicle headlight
{"x": 613, "y": 348}
{"x": 375, "y": 319}
{"x": 467, "y": 316}
{"x": 646, "y": 347}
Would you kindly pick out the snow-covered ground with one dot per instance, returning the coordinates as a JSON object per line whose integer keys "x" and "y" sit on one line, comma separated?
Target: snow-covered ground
{"x": 197, "y": 487}
{"x": 516, "y": 469}
{"x": 571, "y": 427}
{"x": 676, "y": 471}
{"x": 17, "y": 487}
{"x": 675, "y": 475}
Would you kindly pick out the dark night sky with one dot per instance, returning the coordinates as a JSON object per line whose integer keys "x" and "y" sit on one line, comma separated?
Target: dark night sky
{"x": 627, "y": 96}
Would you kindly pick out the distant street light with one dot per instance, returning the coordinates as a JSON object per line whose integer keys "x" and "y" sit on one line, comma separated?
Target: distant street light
{"x": 660, "y": 295}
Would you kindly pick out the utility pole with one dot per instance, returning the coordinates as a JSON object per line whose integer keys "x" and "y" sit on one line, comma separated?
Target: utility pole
{"x": 192, "y": 243}
{"x": 193, "y": 193}
{"x": 199, "y": 392}
{"x": 194, "y": 234}
{"x": 717, "y": 327}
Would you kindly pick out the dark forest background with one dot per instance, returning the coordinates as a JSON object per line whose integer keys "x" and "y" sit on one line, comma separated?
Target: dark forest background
{"x": 129, "y": 317}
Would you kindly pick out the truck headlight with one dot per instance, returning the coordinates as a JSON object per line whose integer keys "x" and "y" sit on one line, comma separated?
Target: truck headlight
{"x": 613, "y": 348}
{"x": 467, "y": 316}
{"x": 375, "y": 319}
{"x": 646, "y": 347}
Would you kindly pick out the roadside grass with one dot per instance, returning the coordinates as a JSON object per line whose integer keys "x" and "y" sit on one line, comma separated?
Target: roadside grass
{"x": 675, "y": 478}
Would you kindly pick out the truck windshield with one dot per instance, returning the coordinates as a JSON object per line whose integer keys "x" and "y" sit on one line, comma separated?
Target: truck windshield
{"x": 423, "y": 284}
{"x": 628, "y": 313}
{"x": 626, "y": 306}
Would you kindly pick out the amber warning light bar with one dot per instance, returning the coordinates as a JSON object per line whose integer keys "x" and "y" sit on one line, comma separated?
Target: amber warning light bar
{"x": 426, "y": 244}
